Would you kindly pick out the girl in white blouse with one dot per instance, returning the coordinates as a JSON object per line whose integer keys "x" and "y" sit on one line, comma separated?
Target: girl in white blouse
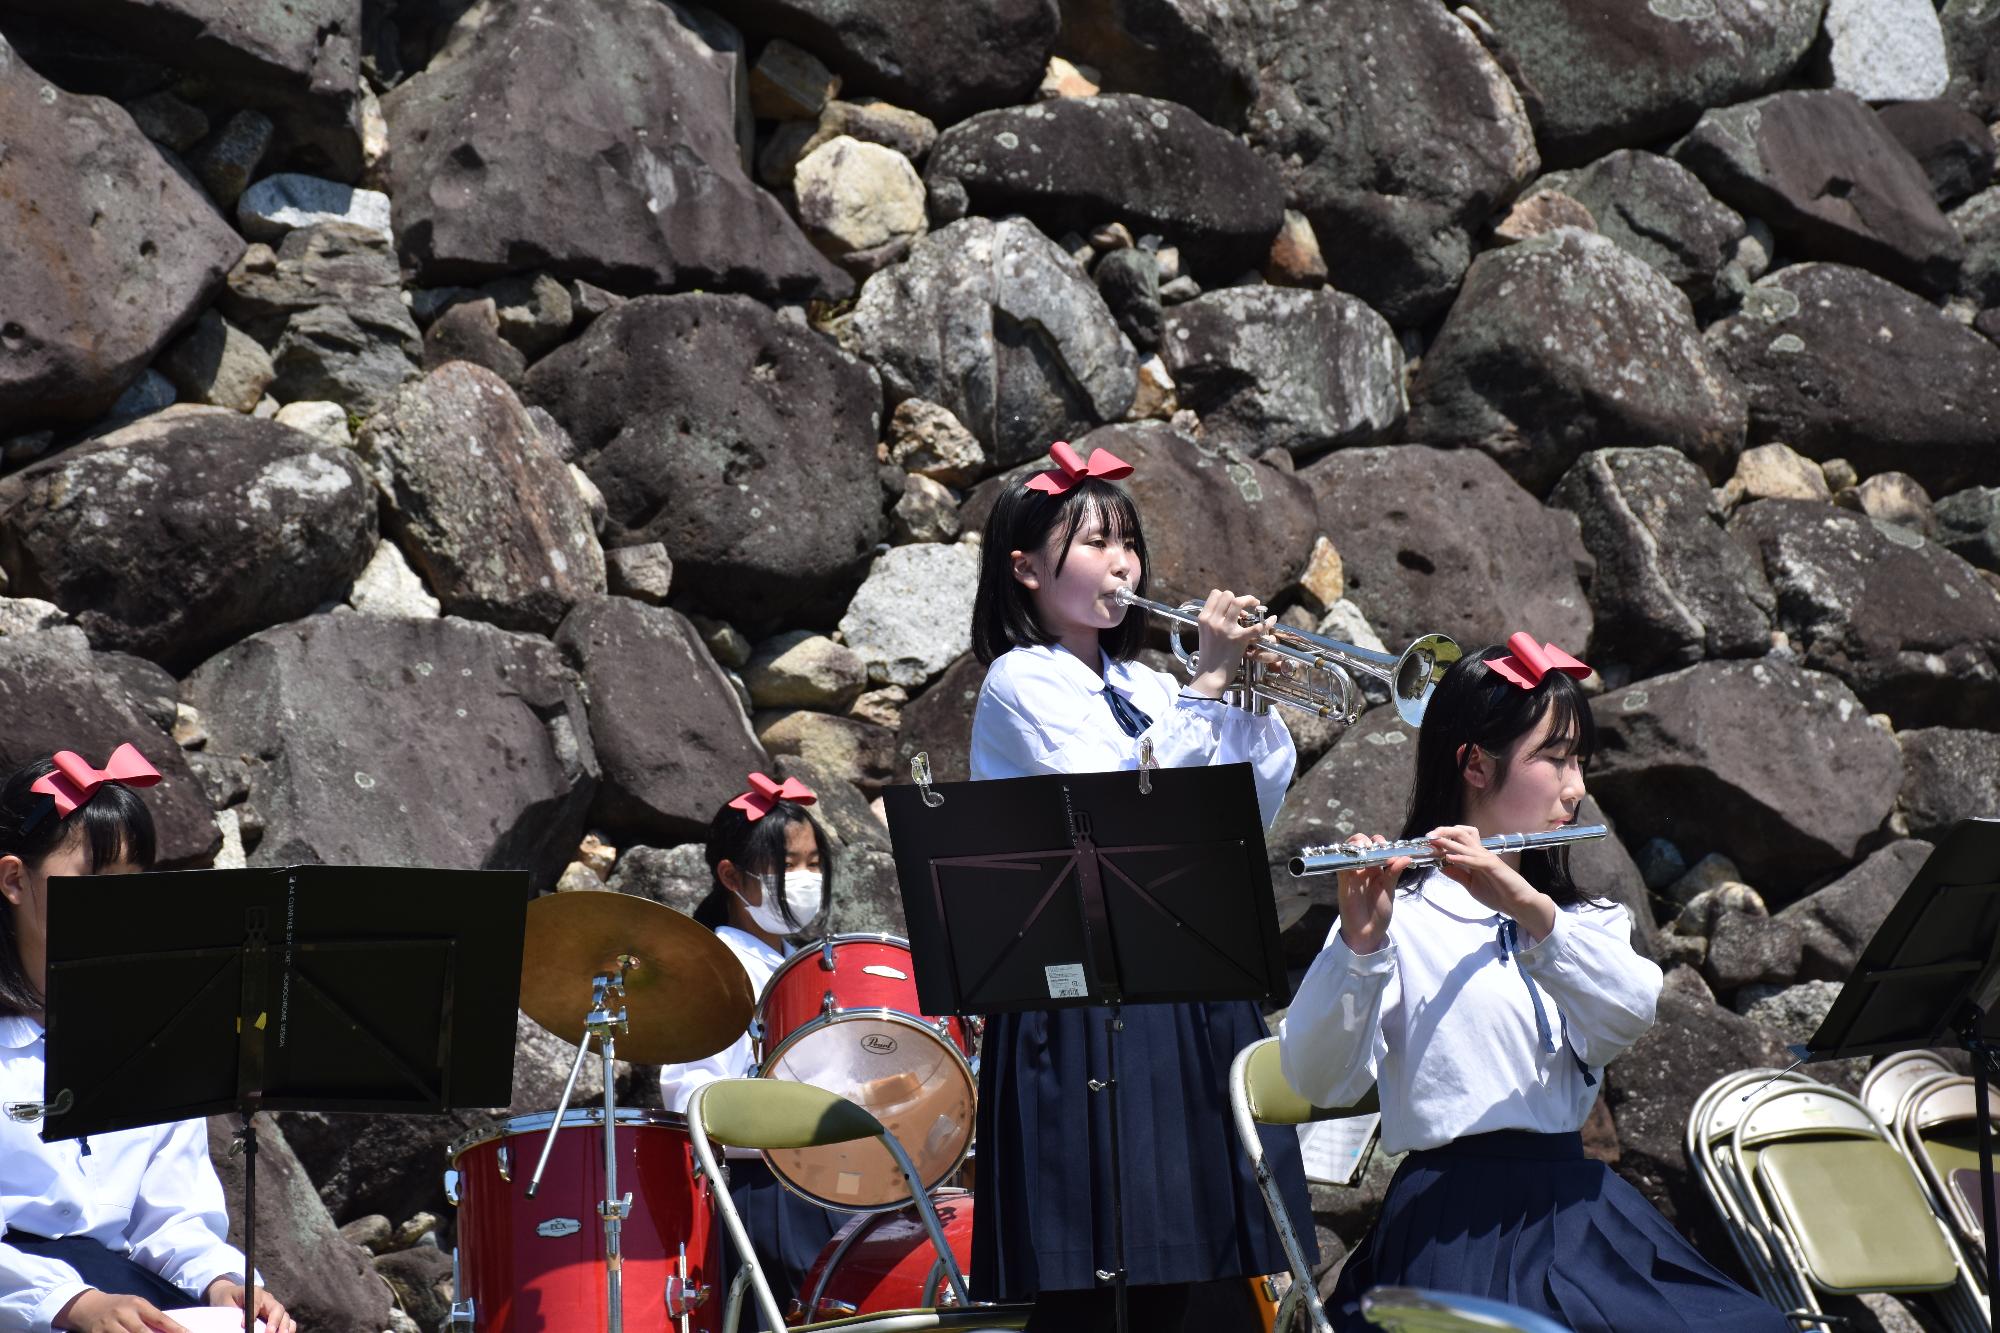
{"x": 1063, "y": 695}
{"x": 1483, "y": 999}
{"x": 101, "y": 1234}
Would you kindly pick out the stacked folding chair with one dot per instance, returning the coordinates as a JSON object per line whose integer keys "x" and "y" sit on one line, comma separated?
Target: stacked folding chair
{"x": 1820, "y": 1200}
{"x": 1935, "y": 1115}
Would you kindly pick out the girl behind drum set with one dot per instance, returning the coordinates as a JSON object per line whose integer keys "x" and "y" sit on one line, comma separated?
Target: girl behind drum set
{"x": 1063, "y": 695}
{"x": 1484, "y": 997}
{"x": 768, "y": 863}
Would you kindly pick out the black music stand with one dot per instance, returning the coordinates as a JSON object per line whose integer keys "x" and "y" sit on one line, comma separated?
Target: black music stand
{"x": 312, "y": 988}
{"x": 1088, "y": 889}
{"x": 1930, "y": 977}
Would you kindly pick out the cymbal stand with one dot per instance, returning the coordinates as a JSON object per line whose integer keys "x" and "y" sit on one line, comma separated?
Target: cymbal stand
{"x": 606, "y": 1020}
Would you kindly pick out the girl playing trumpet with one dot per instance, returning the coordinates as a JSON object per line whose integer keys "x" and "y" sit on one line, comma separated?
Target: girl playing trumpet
{"x": 1483, "y": 997}
{"x": 1063, "y": 695}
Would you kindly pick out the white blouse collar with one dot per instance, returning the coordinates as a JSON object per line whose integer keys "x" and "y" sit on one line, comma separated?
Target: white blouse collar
{"x": 1450, "y": 897}
{"x": 745, "y": 940}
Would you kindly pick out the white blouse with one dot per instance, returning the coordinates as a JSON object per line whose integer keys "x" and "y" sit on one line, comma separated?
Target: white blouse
{"x": 149, "y": 1194}
{"x": 678, "y": 1082}
{"x": 1442, "y": 1018}
{"x": 1042, "y": 711}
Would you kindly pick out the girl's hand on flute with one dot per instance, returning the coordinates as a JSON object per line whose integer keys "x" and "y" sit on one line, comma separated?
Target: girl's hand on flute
{"x": 1367, "y": 897}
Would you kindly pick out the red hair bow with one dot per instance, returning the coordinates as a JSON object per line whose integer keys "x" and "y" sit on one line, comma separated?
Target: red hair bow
{"x": 1070, "y": 469}
{"x": 764, "y": 793}
{"x": 1530, "y": 661}
{"x": 74, "y": 782}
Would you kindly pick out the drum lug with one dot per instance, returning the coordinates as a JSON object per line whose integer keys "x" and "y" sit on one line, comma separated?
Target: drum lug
{"x": 830, "y": 1308}
{"x": 505, "y": 1162}
{"x": 826, "y": 962}
{"x": 451, "y": 1188}
{"x": 828, "y": 1006}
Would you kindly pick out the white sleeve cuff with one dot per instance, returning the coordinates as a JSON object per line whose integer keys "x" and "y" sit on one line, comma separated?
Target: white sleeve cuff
{"x": 1551, "y": 951}
{"x": 1378, "y": 963}
{"x": 52, "y": 1302}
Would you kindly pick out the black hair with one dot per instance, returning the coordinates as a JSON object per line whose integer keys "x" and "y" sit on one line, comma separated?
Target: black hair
{"x": 113, "y": 825}
{"x": 756, "y": 847}
{"x": 1476, "y": 705}
{"x": 1003, "y": 611}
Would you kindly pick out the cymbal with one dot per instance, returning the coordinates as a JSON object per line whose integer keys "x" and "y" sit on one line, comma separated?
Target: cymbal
{"x": 686, "y": 996}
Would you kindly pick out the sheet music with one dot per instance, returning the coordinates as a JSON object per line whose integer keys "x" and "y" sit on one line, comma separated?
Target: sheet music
{"x": 1335, "y": 1149}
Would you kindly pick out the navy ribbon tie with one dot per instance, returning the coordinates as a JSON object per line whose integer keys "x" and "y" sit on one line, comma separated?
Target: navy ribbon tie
{"x": 1131, "y": 720}
{"x": 1510, "y": 943}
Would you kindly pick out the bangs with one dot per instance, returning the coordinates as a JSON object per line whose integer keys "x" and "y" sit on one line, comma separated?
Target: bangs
{"x": 1572, "y": 727}
{"x": 1109, "y": 506}
{"x": 115, "y": 825}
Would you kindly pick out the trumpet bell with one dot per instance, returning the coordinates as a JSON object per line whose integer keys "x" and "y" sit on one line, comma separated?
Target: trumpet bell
{"x": 1418, "y": 671}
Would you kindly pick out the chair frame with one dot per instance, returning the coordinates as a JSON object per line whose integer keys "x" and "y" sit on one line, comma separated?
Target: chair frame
{"x": 966, "y": 1316}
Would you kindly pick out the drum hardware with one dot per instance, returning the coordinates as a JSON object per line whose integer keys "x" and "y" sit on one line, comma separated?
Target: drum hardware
{"x": 886, "y": 1261}
{"x": 451, "y": 1195}
{"x": 461, "y": 1305}
{"x": 1324, "y": 684}
{"x": 828, "y": 1006}
{"x": 826, "y": 963}
{"x": 506, "y": 1164}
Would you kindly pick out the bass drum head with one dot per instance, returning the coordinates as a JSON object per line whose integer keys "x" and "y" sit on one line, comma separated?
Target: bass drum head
{"x": 904, "y": 1074}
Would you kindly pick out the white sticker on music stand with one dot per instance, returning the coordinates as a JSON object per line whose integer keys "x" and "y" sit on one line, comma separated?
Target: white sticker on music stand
{"x": 1066, "y": 981}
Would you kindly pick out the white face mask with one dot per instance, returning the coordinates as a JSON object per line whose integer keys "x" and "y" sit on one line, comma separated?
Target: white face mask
{"x": 804, "y": 894}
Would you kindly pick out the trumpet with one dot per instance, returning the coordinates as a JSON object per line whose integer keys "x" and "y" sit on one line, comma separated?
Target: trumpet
{"x": 1324, "y": 684}
{"x": 1342, "y": 856}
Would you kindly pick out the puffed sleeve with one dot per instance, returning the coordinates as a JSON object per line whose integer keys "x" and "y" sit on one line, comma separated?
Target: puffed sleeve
{"x": 1330, "y": 1045}
{"x": 1029, "y": 720}
{"x": 33, "y": 1290}
{"x": 179, "y": 1219}
{"x": 678, "y": 1082}
{"x": 1606, "y": 991}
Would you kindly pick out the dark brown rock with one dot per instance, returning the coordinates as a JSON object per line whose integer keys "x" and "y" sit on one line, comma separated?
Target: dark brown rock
{"x": 1656, "y": 208}
{"x": 945, "y": 58}
{"x": 1443, "y": 541}
{"x": 1670, "y": 587}
{"x": 58, "y": 695}
{"x": 1952, "y": 145}
{"x": 1201, "y": 55}
{"x": 1745, "y": 950}
{"x": 404, "y": 742}
{"x": 743, "y": 442}
{"x": 537, "y": 105}
{"x": 1071, "y": 163}
{"x": 1778, "y": 768}
{"x": 325, "y": 1281}
{"x": 1831, "y": 181}
{"x": 1837, "y": 921}
{"x": 1566, "y": 343}
{"x": 470, "y": 331}
{"x": 224, "y": 525}
{"x": 1396, "y": 135}
{"x": 1972, "y": 49}
{"x": 1838, "y": 363}
{"x": 93, "y": 282}
{"x": 667, "y": 727}
{"x": 1948, "y": 775}
{"x": 483, "y": 506}
{"x": 1908, "y": 625}
{"x": 938, "y": 722}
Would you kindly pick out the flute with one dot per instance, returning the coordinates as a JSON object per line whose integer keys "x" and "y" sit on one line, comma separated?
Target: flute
{"x": 1339, "y": 856}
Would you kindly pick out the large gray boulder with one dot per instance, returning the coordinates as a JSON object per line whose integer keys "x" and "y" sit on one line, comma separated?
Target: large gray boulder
{"x": 1275, "y": 367}
{"x": 326, "y": 1281}
{"x": 945, "y": 58}
{"x": 938, "y": 723}
{"x": 299, "y": 61}
{"x": 1077, "y": 162}
{"x": 1838, "y": 363}
{"x": 1670, "y": 587}
{"x": 1978, "y": 223}
{"x": 1837, "y": 921}
{"x": 743, "y": 442}
{"x": 1597, "y": 80}
{"x": 1776, "y": 767}
{"x": 1952, "y": 145}
{"x": 1658, "y": 210}
{"x": 1213, "y": 517}
{"x": 591, "y": 139}
{"x": 993, "y": 321}
{"x": 1948, "y": 775}
{"x": 404, "y": 742}
{"x": 1831, "y": 181}
{"x": 178, "y": 535}
{"x": 912, "y": 616}
{"x": 1441, "y": 541}
{"x": 666, "y": 725}
{"x": 1912, "y": 629}
{"x": 1397, "y": 135}
{"x": 109, "y": 251}
{"x": 481, "y": 503}
{"x": 1885, "y": 50}
{"x": 1566, "y": 343}
{"x": 1972, "y": 50}
{"x": 1968, "y": 525}
{"x": 59, "y": 695}
{"x": 1200, "y": 53}
{"x": 329, "y": 303}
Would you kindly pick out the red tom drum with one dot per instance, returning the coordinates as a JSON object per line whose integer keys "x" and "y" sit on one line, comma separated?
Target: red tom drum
{"x": 885, "y": 1261}
{"x": 537, "y": 1264}
{"x": 843, "y": 1015}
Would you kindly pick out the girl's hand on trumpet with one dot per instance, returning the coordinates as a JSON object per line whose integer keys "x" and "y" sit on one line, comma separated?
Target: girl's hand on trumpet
{"x": 1224, "y": 638}
{"x": 1367, "y": 898}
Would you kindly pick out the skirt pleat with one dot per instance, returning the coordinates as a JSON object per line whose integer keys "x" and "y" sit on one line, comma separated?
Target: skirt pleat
{"x": 1043, "y": 1217}
{"x": 1528, "y": 1219}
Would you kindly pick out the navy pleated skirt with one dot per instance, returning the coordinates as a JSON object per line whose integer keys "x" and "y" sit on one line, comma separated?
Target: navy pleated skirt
{"x": 1528, "y": 1219}
{"x": 1192, "y": 1210}
{"x": 111, "y": 1273}
{"x": 787, "y": 1230}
